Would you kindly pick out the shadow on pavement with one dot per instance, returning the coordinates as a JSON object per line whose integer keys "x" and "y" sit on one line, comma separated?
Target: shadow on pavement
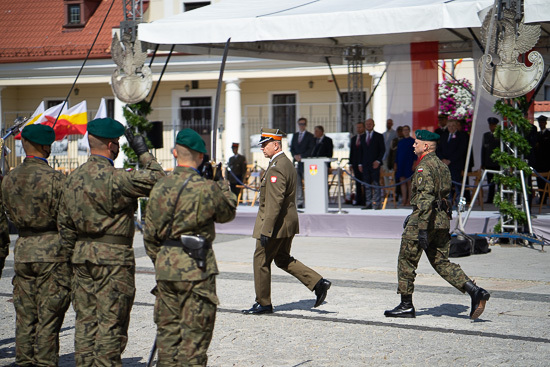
{"x": 446, "y": 309}
{"x": 305, "y": 305}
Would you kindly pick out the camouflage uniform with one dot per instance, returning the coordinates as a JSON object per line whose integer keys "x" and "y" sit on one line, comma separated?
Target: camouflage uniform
{"x": 96, "y": 223}
{"x": 185, "y": 307}
{"x": 41, "y": 286}
{"x": 431, "y": 182}
{"x": 4, "y": 236}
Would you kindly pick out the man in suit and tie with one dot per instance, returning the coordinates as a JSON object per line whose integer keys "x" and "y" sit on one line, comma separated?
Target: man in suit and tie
{"x": 542, "y": 150}
{"x": 276, "y": 225}
{"x": 371, "y": 162}
{"x": 490, "y": 143}
{"x": 301, "y": 147}
{"x": 323, "y": 144}
{"x": 452, "y": 149}
{"x": 355, "y": 154}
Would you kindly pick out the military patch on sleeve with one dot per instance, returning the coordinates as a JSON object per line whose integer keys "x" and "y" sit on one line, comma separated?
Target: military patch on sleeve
{"x": 419, "y": 180}
{"x": 420, "y": 170}
{"x": 273, "y": 179}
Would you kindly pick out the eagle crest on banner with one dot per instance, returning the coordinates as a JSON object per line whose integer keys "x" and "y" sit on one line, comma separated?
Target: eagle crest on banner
{"x": 505, "y": 76}
{"x": 132, "y": 80}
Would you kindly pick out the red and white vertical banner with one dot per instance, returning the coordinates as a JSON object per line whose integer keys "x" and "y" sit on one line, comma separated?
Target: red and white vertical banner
{"x": 412, "y": 84}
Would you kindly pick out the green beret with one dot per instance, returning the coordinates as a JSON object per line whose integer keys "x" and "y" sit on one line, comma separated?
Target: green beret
{"x": 105, "y": 128}
{"x": 426, "y": 135}
{"x": 39, "y": 134}
{"x": 191, "y": 139}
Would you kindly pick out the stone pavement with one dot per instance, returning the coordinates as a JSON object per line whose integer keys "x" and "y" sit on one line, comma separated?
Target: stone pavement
{"x": 349, "y": 329}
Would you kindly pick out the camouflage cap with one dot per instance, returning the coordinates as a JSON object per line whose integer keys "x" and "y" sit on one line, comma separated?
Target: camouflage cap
{"x": 39, "y": 134}
{"x": 426, "y": 135}
{"x": 191, "y": 139}
{"x": 105, "y": 128}
{"x": 271, "y": 134}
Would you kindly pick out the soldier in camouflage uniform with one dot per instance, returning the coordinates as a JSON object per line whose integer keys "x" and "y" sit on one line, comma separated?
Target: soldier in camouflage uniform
{"x": 4, "y": 236}
{"x": 185, "y": 203}
{"x": 41, "y": 286}
{"x": 96, "y": 223}
{"x": 427, "y": 229}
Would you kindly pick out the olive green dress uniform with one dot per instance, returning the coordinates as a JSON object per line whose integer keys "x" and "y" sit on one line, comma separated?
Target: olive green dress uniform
{"x": 41, "y": 285}
{"x": 431, "y": 182}
{"x": 186, "y": 301}
{"x": 278, "y": 219}
{"x": 4, "y": 236}
{"x": 96, "y": 222}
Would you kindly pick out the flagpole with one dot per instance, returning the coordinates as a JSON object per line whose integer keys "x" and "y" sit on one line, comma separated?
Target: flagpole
{"x": 84, "y": 63}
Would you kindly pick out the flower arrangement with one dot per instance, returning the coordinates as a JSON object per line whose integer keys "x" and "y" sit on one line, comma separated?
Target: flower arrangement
{"x": 456, "y": 100}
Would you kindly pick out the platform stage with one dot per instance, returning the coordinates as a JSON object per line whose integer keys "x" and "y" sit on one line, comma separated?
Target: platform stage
{"x": 368, "y": 223}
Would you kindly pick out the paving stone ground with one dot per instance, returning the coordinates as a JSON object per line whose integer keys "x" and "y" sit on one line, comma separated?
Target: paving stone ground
{"x": 349, "y": 329}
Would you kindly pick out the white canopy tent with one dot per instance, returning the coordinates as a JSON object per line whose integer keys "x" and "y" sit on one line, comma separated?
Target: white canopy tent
{"x": 310, "y": 30}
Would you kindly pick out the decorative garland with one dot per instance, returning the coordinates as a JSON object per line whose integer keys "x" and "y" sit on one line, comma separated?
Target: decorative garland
{"x": 456, "y": 100}
{"x": 135, "y": 115}
{"x": 512, "y": 117}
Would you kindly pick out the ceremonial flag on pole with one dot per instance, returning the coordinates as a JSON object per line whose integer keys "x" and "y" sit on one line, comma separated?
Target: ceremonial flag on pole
{"x": 101, "y": 113}
{"x": 71, "y": 122}
{"x": 36, "y": 115}
{"x": 43, "y": 117}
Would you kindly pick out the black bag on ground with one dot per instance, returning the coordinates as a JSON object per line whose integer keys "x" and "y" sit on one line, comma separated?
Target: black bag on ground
{"x": 481, "y": 246}
{"x": 460, "y": 247}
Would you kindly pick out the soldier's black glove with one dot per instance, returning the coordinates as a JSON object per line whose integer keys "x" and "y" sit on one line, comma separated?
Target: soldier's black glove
{"x": 207, "y": 171}
{"x": 218, "y": 175}
{"x": 423, "y": 238}
{"x": 263, "y": 240}
{"x": 136, "y": 142}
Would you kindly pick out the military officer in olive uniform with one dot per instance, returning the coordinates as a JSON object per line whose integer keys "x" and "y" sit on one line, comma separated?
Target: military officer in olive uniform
{"x": 276, "y": 225}
{"x": 181, "y": 212}
{"x": 96, "y": 222}
{"x": 237, "y": 166}
{"x": 41, "y": 286}
{"x": 4, "y": 236}
{"x": 427, "y": 229}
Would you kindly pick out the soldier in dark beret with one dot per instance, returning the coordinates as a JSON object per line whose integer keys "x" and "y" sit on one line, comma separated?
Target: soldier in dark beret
{"x": 96, "y": 223}
{"x": 489, "y": 144}
{"x": 236, "y": 167}
{"x": 276, "y": 225}
{"x": 42, "y": 281}
{"x": 179, "y": 231}
{"x": 427, "y": 229}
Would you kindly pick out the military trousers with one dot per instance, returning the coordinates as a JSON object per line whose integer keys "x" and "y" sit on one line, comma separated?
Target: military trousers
{"x": 41, "y": 296}
{"x": 103, "y": 296}
{"x": 185, "y": 313}
{"x": 278, "y": 250}
{"x": 437, "y": 253}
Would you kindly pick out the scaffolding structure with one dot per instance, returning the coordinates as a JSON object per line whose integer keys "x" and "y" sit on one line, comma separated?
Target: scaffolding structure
{"x": 133, "y": 15}
{"x": 355, "y": 56}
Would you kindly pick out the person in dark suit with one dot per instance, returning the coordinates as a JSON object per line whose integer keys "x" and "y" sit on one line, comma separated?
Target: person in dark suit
{"x": 542, "y": 150}
{"x": 275, "y": 227}
{"x": 371, "y": 161}
{"x": 323, "y": 144}
{"x": 301, "y": 147}
{"x": 442, "y": 124}
{"x": 452, "y": 149}
{"x": 356, "y": 145}
{"x": 490, "y": 143}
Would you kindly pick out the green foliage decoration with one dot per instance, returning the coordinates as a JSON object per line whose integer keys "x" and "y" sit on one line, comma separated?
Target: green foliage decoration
{"x": 136, "y": 117}
{"x": 513, "y": 112}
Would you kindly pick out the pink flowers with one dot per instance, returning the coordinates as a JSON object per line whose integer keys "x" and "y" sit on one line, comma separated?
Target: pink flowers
{"x": 456, "y": 100}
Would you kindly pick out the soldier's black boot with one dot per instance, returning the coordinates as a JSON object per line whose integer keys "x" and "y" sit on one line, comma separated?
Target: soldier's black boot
{"x": 404, "y": 309}
{"x": 479, "y": 297}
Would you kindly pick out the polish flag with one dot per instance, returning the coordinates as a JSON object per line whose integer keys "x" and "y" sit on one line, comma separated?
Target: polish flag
{"x": 412, "y": 95}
